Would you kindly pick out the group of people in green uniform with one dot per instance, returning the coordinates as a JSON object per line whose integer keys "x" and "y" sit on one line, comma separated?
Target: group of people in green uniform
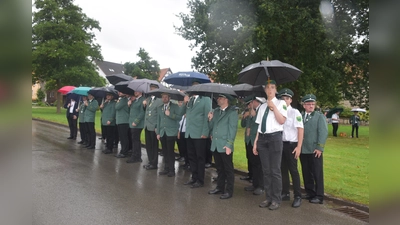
{"x": 276, "y": 136}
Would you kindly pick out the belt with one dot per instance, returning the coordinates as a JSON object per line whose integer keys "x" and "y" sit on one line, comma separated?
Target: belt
{"x": 289, "y": 142}
{"x": 269, "y": 134}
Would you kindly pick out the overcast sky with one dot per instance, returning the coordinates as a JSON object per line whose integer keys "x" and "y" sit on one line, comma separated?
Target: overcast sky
{"x": 128, "y": 25}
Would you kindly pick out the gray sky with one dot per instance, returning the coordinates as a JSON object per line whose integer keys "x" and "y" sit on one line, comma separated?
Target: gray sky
{"x": 128, "y": 25}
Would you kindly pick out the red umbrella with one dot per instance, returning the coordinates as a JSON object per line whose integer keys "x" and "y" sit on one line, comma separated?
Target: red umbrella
{"x": 64, "y": 90}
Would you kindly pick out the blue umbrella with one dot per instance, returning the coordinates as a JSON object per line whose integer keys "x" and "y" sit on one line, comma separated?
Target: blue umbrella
{"x": 186, "y": 79}
{"x": 81, "y": 90}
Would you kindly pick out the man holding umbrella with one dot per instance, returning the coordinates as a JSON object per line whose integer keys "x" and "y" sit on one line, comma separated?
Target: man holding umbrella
{"x": 354, "y": 121}
{"x": 223, "y": 126}
{"x": 90, "y": 114}
{"x": 108, "y": 121}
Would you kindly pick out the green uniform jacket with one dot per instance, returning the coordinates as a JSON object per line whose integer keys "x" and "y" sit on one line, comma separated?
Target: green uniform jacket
{"x": 245, "y": 124}
{"x": 223, "y": 128}
{"x": 122, "y": 111}
{"x": 315, "y": 133}
{"x": 90, "y": 111}
{"x": 353, "y": 120}
{"x": 82, "y": 108}
{"x": 108, "y": 113}
{"x": 136, "y": 114}
{"x": 251, "y": 123}
{"x": 197, "y": 118}
{"x": 150, "y": 117}
{"x": 168, "y": 125}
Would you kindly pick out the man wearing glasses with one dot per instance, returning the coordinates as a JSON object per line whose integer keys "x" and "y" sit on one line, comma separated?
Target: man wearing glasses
{"x": 315, "y": 135}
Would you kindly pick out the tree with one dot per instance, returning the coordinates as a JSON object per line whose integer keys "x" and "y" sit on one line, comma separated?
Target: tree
{"x": 233, "y": 34}
{"x": 144, "y": 68}
{"x": 63, "y": 48}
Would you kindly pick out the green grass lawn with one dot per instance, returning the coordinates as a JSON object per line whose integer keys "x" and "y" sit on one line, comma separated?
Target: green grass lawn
{"x": 346, "y": 160}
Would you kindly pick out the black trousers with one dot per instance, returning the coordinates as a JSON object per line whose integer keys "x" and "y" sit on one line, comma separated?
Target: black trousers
{"x": 249, "y": 153}
{"x": 91, "y": 134}
{"x": 256, "y": 168}
{"x": 73, "y": 126}
{"x": 151, "y": 147}
{"x": 209, "y": 153}
{"x": 167, "y": 145}
{"x": 130, "y": 145}
{"x": 136, "y": 144}
{"x": 197, "y": 157}
{"x": 313, "y": 175}
{"x": 225, "y": 170}
{"x": 83, "y": 132}
{"x": 103, "y": 132}
{"x": 335, "y": 128}
{"x": 289, "y": 164}
{"x": 354, "y": 127}
{"x": 182, "y": 146}
{"x": 123, "y": 137}
{"x": 109, "y": 132}
{"x": 269, "y": 147}
{"x": 116, "y": 136}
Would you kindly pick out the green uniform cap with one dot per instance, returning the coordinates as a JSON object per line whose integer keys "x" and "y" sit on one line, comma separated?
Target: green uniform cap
{"x": 309, "y": 98}
{"x": 286, "y": 92}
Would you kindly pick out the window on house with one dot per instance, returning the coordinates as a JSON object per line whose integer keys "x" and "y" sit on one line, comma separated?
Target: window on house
{"x": 52, "y": 94}
{"x": 112, "y": 70}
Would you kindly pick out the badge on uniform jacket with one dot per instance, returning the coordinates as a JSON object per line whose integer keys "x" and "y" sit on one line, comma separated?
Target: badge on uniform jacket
{"x": 284, "y": 107}
{"x": 298, "y": 118}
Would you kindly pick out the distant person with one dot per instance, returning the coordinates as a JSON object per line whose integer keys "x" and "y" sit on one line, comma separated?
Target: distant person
{"x": 108, "y": 121}
{"x": 335, "y": 123}
{"x": 244, "y": 123}
{"x": 315, "y": 135}
{"x": 82, "y": 126}
{"x": 223, "y": 124}
{"x": 293, "y": 133}
{"x": 122, "y": 121}
{"x": 355, "y": 122}
{"x": 72, "y": 117}
{"x": 90, "y": 113}
{"x": 136, "y": 123}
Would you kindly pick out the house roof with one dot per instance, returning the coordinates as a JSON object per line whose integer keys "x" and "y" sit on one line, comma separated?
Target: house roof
{"x": 163, "y": 72}
{"x": 110, "y": 68}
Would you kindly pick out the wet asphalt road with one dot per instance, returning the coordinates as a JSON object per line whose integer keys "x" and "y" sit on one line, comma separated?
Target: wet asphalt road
{"x": 74, "y": 185}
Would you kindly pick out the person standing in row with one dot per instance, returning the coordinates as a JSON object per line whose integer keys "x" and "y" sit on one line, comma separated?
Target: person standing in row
{"x": 181, "y": 142}
{"x": 315, "y": 135}
{"x": 82, "y": 126}
{"x": 355, "y": 122}
{"x": 108, "y": 121}
{"x": 293, "y": 133}
{"x": 268, "y": 144}
{"x": 335, "y": 123}
{"x": 150, "y": 121}
{"x": 90, "y": 113}
{"x": 168, "y": 117}
{"x": 122, "y": 121}
{"x": 223, "y": 126}
{"x": 72, "y": 116}
{"x": 136, "y": 123}
{"x": 244, "y": 123}
{"x": 257, "y": 186}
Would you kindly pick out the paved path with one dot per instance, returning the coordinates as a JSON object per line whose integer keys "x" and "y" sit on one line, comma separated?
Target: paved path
{"x": 73, "y": 185}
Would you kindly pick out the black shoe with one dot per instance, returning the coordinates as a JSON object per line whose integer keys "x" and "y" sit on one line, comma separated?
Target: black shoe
{"x": 245, "y": 178}
{"x": 308, "y": 197}
{"x": 164, "y": 172}
{"x": 108, "y": 152}
{"x": 215, "y": 191}
{"x": 74, "y": 138}
{"x": 171, "y": 174}
{"x": 87, "y": 145}
{"x": 70, "y": 137}
{"x": 134, "y": 160}
{"x": 100, "y": 138}
{"x": 225, "y": 196}
{"x": 151, "y": 167}
{"x": 207, "y": 165}
{"x": 273, "y": 206}
{"x": 181, "y": 159}
{"x": 91, "y": 147}
{"x": 197, "y": 185}
{"x": 296, "y": 202}
{"x": 120, "y": 155}
{"x": 189, "y": 182}
{"x": 285, "y": 197}
{"x": 265, "y": 204}
{"x": 258, "y": 191}
{"x": 316, "y": 200}
{"x": 81, "y": 142}
{"x": 249, "y": 188}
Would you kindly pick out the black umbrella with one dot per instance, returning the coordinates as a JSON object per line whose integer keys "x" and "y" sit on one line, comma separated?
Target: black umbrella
{"x": 243, "y": 90}
{"x": 101, "y": 92}
{"x": 142, "y": 85}
{"x": 210, "y": 89}
{"x": 258, "y": 73}
{"x": 333, "y": 111}
{"x": 175, "y": 94}
{"x": 123, "y": 87}
{"x": 116, "y": 78}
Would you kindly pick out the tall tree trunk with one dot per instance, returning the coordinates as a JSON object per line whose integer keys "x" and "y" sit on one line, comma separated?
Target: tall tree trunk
{"x": 59, "y": 98}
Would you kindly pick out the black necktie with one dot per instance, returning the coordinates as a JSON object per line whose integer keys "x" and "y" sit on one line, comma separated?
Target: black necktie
{"x": 191, "y": 101}
{"x": 306, "y": 116}
{"x": 264, "y": 121}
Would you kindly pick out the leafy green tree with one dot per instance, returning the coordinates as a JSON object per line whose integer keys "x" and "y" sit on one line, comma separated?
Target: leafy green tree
{"x": 230, "y": 35}
{"x": 144, "y": 68}
{"x": 63, "y": 48}
{"x": 40, "y": 95}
